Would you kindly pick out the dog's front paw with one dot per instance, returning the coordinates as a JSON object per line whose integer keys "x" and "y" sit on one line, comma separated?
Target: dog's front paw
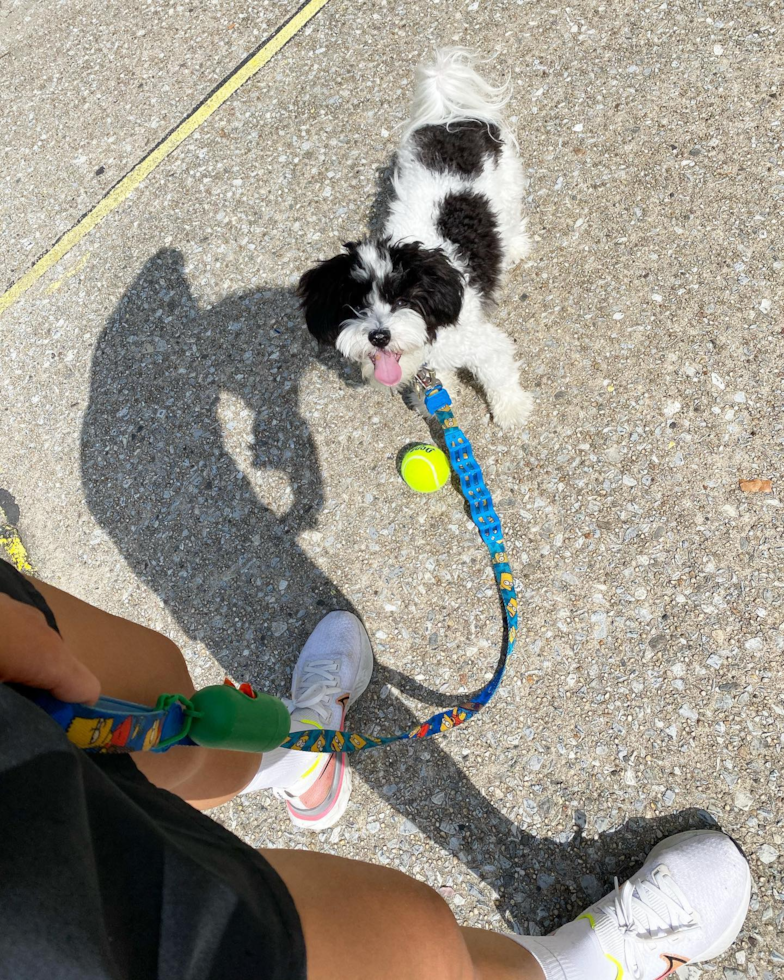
{"x": 511, "y": 409}
{"x": 519, "y": 248}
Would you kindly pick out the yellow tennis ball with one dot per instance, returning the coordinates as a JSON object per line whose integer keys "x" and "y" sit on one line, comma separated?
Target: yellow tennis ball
{"x": 425, "y": 468}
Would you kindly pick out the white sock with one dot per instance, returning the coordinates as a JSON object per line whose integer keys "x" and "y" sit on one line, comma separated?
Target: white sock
{"x": 571, "y": 953}
{"x": 286, "y": 769}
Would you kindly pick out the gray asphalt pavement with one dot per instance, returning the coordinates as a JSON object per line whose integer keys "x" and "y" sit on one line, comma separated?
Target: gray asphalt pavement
{"x": 181, "y": 455}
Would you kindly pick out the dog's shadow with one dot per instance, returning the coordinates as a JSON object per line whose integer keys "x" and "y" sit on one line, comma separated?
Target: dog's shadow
{"x": 385, "y": 194}
{"x": 197, "y": 463}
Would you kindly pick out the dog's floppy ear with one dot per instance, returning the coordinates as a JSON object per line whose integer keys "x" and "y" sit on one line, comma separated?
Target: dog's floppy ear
{"x": 430, "y": 283}
{"x": 328, "y": 292}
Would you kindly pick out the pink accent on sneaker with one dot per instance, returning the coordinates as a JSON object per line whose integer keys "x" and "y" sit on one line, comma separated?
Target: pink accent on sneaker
{"x": 332, "y": 792}
{"x": 325, "y": 802}
{"x": 319, "y": 791}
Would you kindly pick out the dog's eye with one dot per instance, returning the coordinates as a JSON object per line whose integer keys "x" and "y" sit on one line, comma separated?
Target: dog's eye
{"x": 399, "y": 304}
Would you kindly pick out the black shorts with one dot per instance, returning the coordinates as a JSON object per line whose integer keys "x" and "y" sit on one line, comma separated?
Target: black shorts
{"x": 103, "y": 875}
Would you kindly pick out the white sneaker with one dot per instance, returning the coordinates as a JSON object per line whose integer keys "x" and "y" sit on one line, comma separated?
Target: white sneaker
{"x": 333, "y": 670}
{"x": 685, "y": 905}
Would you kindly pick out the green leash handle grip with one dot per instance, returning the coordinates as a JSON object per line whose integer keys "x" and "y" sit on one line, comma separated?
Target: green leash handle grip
{"x": 241, "y": 719}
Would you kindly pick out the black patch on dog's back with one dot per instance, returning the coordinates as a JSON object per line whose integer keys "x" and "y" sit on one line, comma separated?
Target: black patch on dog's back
{"x": 461, "y": 148}
{"x": 467, "y": 220}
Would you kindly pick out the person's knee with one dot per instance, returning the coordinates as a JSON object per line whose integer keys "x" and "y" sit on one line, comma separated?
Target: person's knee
{"x": 403, "y": 928}
{"x": 161, "y": 667}
{"x": 167, "y": 654}
{"x": 430, "y": 931}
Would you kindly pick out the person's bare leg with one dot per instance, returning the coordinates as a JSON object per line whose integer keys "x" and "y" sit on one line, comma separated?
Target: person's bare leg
{"x": 400, "y": 928}
{"x": 498, "y": 957}
{"x": 406, "y": 929}
{"x": 137, "y": 664}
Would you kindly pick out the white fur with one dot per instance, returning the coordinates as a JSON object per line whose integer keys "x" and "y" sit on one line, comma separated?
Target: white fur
{"x": 407, "y": 329}
{"x": 374, "y": 265}
{"x": 447, "y": 91}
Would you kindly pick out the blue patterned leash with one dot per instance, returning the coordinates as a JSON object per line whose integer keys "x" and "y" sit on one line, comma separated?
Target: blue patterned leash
{"x": 483, "y": 514}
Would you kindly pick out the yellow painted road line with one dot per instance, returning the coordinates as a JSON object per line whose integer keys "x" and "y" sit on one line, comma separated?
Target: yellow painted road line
{"x": 126, "y": 185}
{"x": 11, "y": 545}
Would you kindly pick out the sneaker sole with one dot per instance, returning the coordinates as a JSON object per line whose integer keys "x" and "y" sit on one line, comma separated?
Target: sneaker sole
{"x": 338, "y": 808}
{"x": 730, "y": 934}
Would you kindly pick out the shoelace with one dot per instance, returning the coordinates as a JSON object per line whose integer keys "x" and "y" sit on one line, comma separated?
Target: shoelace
{"x": 318, "y": 682}
{"x": 647, "y": 911}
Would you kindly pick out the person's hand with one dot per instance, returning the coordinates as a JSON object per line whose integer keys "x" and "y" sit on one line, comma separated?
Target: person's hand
{"x": 32, "y": 653}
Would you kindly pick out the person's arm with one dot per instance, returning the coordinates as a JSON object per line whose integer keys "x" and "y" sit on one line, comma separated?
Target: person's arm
{"x": 32, "y": 653}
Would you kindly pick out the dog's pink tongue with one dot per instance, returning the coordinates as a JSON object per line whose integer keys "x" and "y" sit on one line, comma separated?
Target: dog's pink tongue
{"x": 387, "y": 368}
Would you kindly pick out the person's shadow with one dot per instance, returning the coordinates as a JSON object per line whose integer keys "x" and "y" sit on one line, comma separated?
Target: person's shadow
{"x": 197, "y": 463}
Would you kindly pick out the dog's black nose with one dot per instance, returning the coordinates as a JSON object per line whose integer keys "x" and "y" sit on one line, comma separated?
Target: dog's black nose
{"x": 379, "y": 337}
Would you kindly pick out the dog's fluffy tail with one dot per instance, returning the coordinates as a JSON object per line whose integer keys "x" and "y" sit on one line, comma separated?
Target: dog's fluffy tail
{"x": 449, "y": 90}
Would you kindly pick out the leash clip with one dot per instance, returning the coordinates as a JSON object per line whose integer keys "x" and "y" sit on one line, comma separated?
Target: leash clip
{"x": 426, "y": 379}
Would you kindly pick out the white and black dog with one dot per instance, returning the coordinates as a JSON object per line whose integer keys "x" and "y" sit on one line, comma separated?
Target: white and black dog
{"x": 421, "y": 292}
